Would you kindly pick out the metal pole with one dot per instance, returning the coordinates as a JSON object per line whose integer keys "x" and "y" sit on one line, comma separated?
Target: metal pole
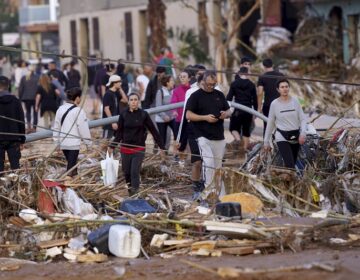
{"x": 248, "y": 110}
{"x": 100, "y": 122}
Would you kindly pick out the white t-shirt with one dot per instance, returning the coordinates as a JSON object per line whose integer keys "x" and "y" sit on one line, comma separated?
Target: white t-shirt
{"x": 142, "y": 79}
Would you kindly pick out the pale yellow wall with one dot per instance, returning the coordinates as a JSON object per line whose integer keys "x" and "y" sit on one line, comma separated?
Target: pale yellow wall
{"x": 112, "y": 32}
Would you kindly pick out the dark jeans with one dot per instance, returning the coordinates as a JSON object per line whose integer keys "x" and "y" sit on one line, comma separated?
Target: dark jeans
{"x": 265, "y": 110}
{"x": 162, "y": 127}
{"x": 288, "y": 152}
{"x": 131, "y": 165}
{"x": 30, "y": 106}
{"x": 13, "y": 152}
{"x": 71, "y": 158}
{"x": 183, "y": 137}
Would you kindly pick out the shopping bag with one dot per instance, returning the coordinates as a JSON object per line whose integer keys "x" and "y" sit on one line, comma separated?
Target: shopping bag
{"x": 109, "y": 168}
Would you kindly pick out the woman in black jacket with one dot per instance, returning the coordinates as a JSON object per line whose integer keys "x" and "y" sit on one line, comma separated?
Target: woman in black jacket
{"x": 131, "y": 134}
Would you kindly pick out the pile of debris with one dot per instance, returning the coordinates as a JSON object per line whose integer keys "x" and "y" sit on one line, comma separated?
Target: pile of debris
{"x": 268, "y": 208}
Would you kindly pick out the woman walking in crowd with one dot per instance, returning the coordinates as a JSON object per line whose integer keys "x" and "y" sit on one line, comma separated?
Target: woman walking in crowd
{"x": 47, "y": 98}
{"x": 70, "y": 127}
{"x": 179, "y": 96}
{"x": 131, "y": 134}
{"x": 288, "y": 118}
{"x": 27, "y": 92}
{"x": 244, "y": 92}
{"x": 19, "y": 72}
{"x": 165, "y": 119}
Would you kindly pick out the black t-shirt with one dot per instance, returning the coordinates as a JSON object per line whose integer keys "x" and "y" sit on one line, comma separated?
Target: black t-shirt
{"x": 269, "y": 84}
{"x": 112, "y": 100}
{"x": 48, "y": 101}
{"x": 105, "y": 80}
{"x": 205, "y": 103}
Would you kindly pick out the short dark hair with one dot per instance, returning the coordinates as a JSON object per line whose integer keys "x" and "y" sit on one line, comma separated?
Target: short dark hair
{"x": 160, "y": 69}
{"x": 209, "y": 73}
{"x": 267, "y": 62}
{"x": 73, "y": 93}
{"x": 4, "y": 83}
{"x": 110, "y": 66}
{"x": 243, "y": 70}
{"x": 187, "y": 72}
{"x": 134, "y": 94}
{"x": 54, "y": 74}
{"x": 245, "y": 59}
{"x": 282, "y": 80}
{"x": 199, "y": 67}
{"x": 164, "y": 80}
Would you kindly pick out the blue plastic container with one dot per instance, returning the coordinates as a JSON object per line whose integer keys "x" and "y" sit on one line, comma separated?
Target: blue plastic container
{"x": 135, "y": 206}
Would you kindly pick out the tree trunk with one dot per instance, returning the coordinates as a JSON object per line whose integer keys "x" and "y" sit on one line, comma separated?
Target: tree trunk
{"x": 157, "y": 24}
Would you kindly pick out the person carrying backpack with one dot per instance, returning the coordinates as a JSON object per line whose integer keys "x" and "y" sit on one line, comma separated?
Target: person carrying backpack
{"x": 70, "y": 127}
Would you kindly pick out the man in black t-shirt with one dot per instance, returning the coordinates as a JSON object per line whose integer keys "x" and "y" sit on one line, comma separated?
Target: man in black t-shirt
{"x": 206, "y": 109}
{"x": 111, "y": 104}
{"x": 267, "y": 88}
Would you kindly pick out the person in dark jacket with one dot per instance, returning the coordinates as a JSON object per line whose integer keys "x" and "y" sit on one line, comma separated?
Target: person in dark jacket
{"x": 74, "y": 76}
{"x": 62, "y": 78}
{"x": 131, "y": 134}
{"x": 267, "y": 88}
{"x": 27, "y": 92}
{"x": 153, "y": 87}
{"x": 12, "y": 130}
{"x": 244, "y": 93}
{"x": 120, "y": 71}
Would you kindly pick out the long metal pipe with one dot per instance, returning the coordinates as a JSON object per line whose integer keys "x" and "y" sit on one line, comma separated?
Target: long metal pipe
{"x": 100, "y": 122}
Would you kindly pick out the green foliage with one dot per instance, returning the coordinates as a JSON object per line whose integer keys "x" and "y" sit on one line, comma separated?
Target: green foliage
{"x": 9, "y": 22}
{"x": 189, "y": 45}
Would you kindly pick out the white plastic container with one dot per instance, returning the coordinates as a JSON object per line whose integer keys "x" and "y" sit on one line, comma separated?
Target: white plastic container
{"x": 124, "y": 241}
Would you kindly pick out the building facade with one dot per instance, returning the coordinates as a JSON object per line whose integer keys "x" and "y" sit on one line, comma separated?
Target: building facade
{"x": 38, "y": 26}
{"x": 116, "y": 29}
{"x": 345, "y": 15}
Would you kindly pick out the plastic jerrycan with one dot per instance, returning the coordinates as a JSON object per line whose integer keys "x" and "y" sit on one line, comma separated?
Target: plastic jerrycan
{"x": 124, "y": 241}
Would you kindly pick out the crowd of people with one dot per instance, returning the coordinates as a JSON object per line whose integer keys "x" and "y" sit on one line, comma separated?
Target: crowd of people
{"x": 199, "y": 124}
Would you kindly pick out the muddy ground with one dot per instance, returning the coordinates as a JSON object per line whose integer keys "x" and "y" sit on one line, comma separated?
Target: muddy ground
{"x": 345, "y": 261}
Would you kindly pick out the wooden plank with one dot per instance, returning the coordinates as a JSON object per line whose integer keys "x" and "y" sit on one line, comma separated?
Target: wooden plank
{"x": 239, "y": 251}
{"x": 177, "y": 242}
{"x": 92, "y": 258}
{"x": 207, "y": 244}
{"x": 53, "y": 243}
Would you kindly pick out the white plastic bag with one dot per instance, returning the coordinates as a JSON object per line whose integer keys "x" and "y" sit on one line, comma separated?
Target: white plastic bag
{"x": 109, "y": 168}
{"x": 75, "y": 205}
